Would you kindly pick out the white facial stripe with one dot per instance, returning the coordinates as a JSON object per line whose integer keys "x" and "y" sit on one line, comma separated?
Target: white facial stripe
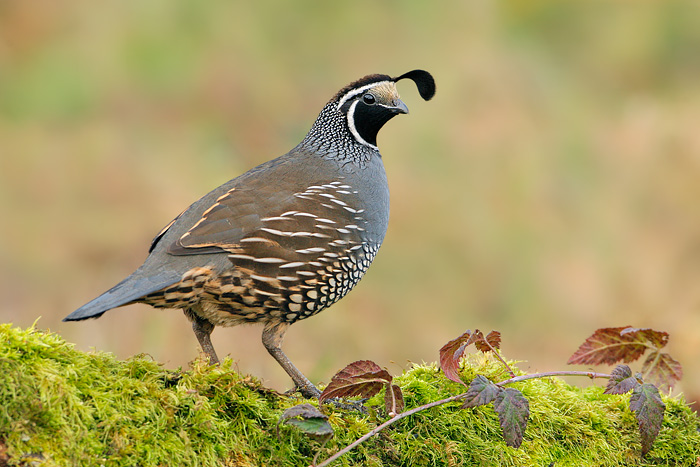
{"x": 353, "y": 130}
{"x": 359, "y": 91}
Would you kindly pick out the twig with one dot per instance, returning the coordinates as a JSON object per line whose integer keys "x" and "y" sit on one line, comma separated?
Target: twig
{"x": 400, "y": 416}
{"x": 391, "y": 421}
{"x": 498, "y": 356}
{"x": 590, "y": 374}
{"x": 651, "y": 367}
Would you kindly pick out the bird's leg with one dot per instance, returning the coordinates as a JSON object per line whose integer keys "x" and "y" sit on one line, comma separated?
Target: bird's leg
{"x": 202, "y": 329}
{"x": 272, "y": 340}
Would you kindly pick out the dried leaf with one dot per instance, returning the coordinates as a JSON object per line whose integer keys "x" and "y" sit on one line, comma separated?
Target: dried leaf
{"x": 481, "y": 392}
{"x": 612, "y": 345}
{"x": 393, "y": 400}
{"x": 649, "y": 410}
{"x": 308, "y": 419}
{"x": 362, "y": 378}
{"x": 478, "y": 339}
{"x": 658, "y": 339}
{"x": 493, "y": 338}
{"x": 622, "y": 381}
{"x": 662, "y": 370}
{"x": 513, "y": 411}
{"x": 452, "y": 352}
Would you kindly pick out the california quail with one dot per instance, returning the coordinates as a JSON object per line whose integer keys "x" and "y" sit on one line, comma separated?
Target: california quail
{"x": 286, "y": 239}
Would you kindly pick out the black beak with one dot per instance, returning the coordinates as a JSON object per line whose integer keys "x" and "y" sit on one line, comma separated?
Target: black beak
{"x": 399, "y": 107}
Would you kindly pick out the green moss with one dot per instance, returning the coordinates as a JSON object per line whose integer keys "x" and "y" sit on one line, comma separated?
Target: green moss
{"x": 74, "y": 408}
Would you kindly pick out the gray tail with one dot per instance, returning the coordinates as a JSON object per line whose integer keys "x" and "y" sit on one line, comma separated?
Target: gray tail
{"x": 128, "y": 290}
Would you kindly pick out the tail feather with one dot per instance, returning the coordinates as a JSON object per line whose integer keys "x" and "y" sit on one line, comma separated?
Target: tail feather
{"x": 128, "y": 290}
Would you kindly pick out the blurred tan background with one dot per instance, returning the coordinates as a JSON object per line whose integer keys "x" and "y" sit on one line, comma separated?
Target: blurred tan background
{"x": 551, "y": 187}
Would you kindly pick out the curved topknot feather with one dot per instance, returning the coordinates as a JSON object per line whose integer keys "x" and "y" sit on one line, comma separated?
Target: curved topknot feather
{"x": 424, "y": 82}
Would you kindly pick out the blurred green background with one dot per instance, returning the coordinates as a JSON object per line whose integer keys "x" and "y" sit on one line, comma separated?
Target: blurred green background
{"x": 549, "y": 189}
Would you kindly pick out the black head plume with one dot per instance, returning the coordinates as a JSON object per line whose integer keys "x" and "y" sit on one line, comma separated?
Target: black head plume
{"x": 424, "y": 82}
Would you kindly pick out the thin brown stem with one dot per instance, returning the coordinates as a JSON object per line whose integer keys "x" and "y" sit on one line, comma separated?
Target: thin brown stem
{"x": 391, "y": 421}
{"x": 517, "y": 379}
{"x": 498, "y": 356}
{"x": 651, "y": 367}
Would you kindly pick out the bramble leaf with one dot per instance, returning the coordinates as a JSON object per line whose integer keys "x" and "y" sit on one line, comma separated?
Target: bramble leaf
{"x": 622, "y": 381}
{"x": 612, "y": 345}
{"x": 393, "y": 400}
{"x": 308, "y": 419}
{"x": 493, "y": 338}
{"x": 314, "y": 427}
{"x": 362, "y": 378}
{"x": 481, "y": 392}
{"x": 662, "y": 370}
{"x": 452, "y": 352}
{"x": 649, "y": 410}
{"x": 658, "y": 339}
{"x": 513, "y": 411}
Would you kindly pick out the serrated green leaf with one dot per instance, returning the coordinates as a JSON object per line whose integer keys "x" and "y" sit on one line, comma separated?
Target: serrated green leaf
{"x": 316, "y": 427}
{"x": 308, "y": 419}
{"x": 481, "y": 392}
{"x": 649, "y": 410}
{"x": 513, "y": 411}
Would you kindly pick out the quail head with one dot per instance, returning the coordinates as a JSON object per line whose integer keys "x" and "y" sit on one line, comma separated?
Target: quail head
{"x": 284, "y": 240}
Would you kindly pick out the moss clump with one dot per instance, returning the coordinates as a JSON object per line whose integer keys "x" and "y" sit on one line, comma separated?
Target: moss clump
{"x": 66, "y": 407}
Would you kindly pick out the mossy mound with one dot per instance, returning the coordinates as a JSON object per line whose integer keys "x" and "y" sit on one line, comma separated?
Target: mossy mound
{"x": 60, "y": 406}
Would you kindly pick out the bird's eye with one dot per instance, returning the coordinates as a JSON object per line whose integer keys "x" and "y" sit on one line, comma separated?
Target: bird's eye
{"x": 369, "y": 99}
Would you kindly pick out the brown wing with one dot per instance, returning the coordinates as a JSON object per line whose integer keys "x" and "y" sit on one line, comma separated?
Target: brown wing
{"x": 241, "y": 219}
{"x": 291, "y": 256}
{"x": 233, "y": 215}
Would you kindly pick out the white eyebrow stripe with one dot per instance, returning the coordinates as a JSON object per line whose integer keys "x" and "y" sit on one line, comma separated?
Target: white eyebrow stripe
{"x": 359, "y": 91}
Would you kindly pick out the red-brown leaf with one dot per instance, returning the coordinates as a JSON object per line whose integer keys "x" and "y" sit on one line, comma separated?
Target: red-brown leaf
{"x": 452, "y": 352}
{"x": 662, "y": 370}
{"x": 622, "y": 380}
{"x": 513, "y": 411}
{"x": 649, "y": 410}
{"x": 493, "y": 338}
{"x": 612, "y": 345}
{"x": 393, "y": 400}
{"x": 658, "y": 339}
{"x": 362, "y": 378}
